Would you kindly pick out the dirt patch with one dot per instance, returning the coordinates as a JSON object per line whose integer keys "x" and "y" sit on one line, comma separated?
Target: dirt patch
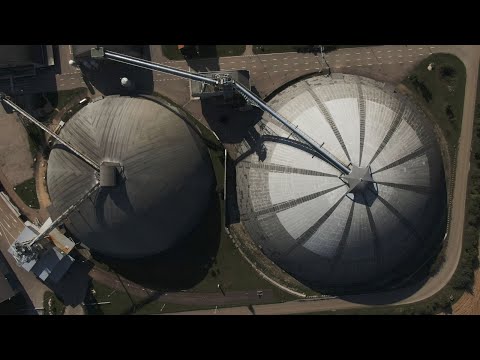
{"x": 41, "y": 182}
{"x": 469, "y": 303}
{"x": 15, "y": 158}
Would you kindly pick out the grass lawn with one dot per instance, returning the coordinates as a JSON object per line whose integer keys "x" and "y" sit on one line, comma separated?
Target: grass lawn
{"x": 205, "y": 51}
{"x": 120, "y": 302}
{"x": 28, "y": 193}
{"x": 270, "y": 49}
{"x": 52, "y": 305}
{"x": 61, "y": 98}
{"x": 36, "y": 138}
{"x": 441, "y": 92}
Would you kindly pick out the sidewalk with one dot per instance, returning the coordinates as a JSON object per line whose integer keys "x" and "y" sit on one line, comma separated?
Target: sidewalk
{"x": 248, "y": 50}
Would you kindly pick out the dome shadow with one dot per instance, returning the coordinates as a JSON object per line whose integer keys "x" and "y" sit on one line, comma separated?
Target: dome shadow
{"x": 181, "y": 267}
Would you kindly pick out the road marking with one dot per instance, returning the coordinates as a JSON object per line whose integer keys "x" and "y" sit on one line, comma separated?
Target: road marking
{"x": 400, "y": 62}
{"x": 61, "y": 79}
{"x": 285, "y": 64}
{"x": 359, "y": 59}
{"x": 400, "y": 55}
{"x": 379, "y": 57}
{"x": 357, "y": 53}
{"x": 306, "y": 57}
{"x": 410, "y": 55}
{"x": 265, "y": 72}
{"x": 307, "y": 69}
{"x": 410, "y": 61}
{"x": 369, "y": 58}
{"x": 254, "y": 66}
{"x": 399, "y": 50}
{"x": 295, "y": 58}
{"x": 369, "y": 64}
{"x": 275, "y": 70}
{"x": 337, "y": 55}
{"x": 347, "y": 60}
{"x": 275, "y": 65}
{"x": 420, "y": 48}
{"x": 348, "y": 66}
{"x": 420, "y": 54}
{"x": 409, "y": 49}
{"x": 347, "y": 54}
{"x": 286, "y": 70}
{"x": 432, "y": 47}
{"x": 379, "y": 51}
{"x": 359, "y": 65}
{"x": 295, "y": 64}
{"x": 72, "y": 78}
{"x": 389, "y": 50}
{"x": 273, "y": 60}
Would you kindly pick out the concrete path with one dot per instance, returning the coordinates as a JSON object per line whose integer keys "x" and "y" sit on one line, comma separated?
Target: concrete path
{"x": 248, "y": 50}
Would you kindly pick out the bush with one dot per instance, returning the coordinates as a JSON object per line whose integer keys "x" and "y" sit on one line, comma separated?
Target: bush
{"x": 447, "y": 72}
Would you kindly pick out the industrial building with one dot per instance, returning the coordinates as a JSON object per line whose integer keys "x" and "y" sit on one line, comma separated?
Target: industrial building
{"x": 155, "y": 177}
{"x": 366, "y": 227}
{"x": 24, "y": 60}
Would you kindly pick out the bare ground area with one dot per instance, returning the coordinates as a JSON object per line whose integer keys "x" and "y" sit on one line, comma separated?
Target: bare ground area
{"x": 15, "y": 158}
{"x": 41, "y": 183}
{"x": 469, "y": 303}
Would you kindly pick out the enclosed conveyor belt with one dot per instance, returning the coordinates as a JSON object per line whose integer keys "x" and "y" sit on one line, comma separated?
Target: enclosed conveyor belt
{"x": 325, "y": 154}
{"x": 130, "y": 60}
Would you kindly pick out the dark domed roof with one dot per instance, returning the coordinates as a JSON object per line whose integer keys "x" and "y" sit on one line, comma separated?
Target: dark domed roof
{"x": 165, "y": 177}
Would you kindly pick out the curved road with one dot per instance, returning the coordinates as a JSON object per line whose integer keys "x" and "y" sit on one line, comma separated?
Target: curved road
{"x": 470, "y": 57}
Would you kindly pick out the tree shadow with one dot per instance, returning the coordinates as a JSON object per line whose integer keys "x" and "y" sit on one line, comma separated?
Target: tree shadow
{"x": 180, "y": 267}
{"x": 91, "y": 302}
{"x": 206, "y": 59}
